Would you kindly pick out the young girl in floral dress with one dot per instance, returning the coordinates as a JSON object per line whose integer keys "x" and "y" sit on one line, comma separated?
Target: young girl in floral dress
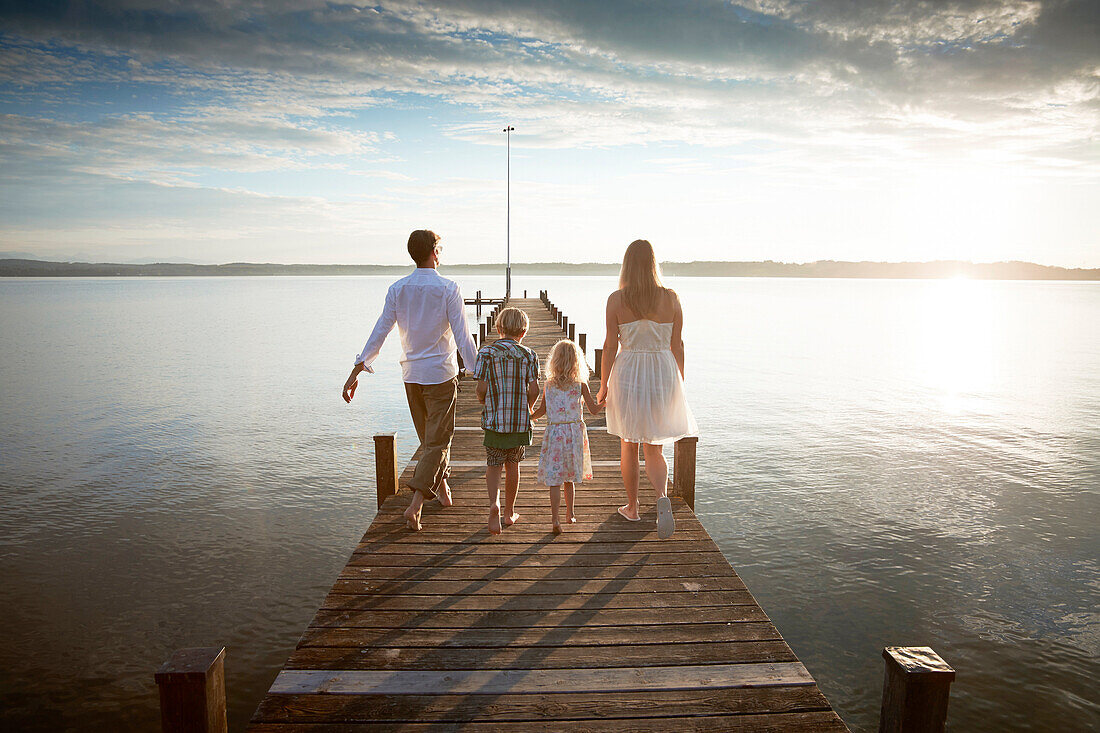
{"x": 565, "y": 459}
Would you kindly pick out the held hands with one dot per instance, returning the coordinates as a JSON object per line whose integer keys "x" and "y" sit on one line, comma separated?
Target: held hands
{"x": 601, "y": 395}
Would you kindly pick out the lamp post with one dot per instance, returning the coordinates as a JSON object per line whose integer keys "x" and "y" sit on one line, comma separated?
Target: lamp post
{"x": 508, "y": 235}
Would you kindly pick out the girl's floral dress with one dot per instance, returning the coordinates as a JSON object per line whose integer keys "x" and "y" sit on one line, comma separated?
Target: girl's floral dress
{"x": 565, "y": 455}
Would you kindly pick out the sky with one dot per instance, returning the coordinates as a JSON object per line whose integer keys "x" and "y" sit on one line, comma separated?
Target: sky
{"x": 302, "y": 131}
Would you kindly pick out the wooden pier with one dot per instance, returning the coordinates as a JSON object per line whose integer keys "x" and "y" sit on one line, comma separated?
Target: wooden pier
{"x": 604, "y": 627}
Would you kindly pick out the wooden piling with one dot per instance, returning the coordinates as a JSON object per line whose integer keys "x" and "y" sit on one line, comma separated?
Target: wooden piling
{"x": 573, "y": 332}
{"x": 683, "y": 469}
{"x": 385, "y": 466}
{"x": 915, "y": 690}
{"x": 192, "y": 691}
{"x": 596, "y": 365}
{"x": 582, "y": 342}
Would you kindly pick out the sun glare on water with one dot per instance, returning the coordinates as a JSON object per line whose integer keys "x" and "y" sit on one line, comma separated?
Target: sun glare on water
{"x": 956, "y": 350}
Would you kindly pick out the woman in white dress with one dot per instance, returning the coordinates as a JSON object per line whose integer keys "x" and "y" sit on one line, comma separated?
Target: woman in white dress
{"x": 642, "y": 378}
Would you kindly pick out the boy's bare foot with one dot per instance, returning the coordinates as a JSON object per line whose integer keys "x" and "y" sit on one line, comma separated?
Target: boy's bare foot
{"x": 511, "y": 519}
{"x": 412, "y": 519}
{"x": 494, "y": 520}
{"x": 444, "y": 494}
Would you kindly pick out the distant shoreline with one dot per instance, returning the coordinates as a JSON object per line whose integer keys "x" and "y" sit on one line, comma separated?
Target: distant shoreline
{"x": 819, "y": 269}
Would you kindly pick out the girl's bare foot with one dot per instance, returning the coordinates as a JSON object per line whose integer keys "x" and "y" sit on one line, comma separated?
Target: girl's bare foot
{"x": 444, "y": 494}
{"x": 572, "y": 518}
{"x": 494, "y": 520}
{"x": 557, "y": 528}
{"x": 511, "y": 519}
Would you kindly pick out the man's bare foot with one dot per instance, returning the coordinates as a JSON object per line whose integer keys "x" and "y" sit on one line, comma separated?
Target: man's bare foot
{"x": 494, "y": 520}
{"x": 412, "y": 518}
{"x": 444, "y": 494}
{"x": 511, "y": 519}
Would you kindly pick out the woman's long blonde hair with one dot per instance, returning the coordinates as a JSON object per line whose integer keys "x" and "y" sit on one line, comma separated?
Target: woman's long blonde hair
{"x": 566, "y": 365}
{"x": 640, "y": 279}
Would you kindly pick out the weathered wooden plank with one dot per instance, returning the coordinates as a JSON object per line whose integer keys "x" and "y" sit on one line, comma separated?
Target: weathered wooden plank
{"x": 344, "y": 681}
{"x": 511, "y": 618}
{"x": 411, "y": 601}
{"x": 502, "y": 559}
{"x": 514, "y": 708}
{"x": 543, "y": 658}
{"x": 579, "y": 586}
{"x": 573, "y": 636}
{"x": 548, "y": 547}
{"x": 529, "y": 572}
{"x": 810, "y": 722}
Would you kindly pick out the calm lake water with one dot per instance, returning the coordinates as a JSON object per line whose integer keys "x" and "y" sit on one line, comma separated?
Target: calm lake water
{"x": 883, "y": 462}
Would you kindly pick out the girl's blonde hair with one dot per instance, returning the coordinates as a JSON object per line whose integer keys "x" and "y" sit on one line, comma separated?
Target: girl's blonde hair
{"x": 565, "y": 365}
{"x": 640, "y": 279}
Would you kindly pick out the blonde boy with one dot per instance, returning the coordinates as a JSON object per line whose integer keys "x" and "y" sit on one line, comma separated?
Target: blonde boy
{"x": 507, "y": 385}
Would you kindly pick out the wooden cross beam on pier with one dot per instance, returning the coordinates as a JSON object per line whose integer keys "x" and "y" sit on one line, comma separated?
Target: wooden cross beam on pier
{"x": 604, "y": 627}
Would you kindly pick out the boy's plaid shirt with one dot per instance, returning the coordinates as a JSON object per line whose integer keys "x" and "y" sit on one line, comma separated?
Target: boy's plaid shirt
{"x": 508, "y": 367}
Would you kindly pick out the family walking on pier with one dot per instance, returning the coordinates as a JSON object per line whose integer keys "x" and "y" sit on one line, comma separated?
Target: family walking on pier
{"x": 641, "y": 387}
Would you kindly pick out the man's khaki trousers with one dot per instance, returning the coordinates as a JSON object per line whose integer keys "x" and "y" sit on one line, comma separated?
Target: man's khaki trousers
{"x": 433, "y": 413}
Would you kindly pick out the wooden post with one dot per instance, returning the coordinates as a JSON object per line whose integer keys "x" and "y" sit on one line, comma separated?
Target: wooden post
{"x": 581, "y": 341}
{"x": 479, "y": 305}
{"x": 683, "y": 470}
{"x": 525, "y": 294}
{"x": 572, "y": 332}
{"x": 385, "y": 466}
{"x": 192, "y": 691}
{"x": 481, "y": 330}
{"x": 914, "y": 690}
{"x": 596, "y": 363}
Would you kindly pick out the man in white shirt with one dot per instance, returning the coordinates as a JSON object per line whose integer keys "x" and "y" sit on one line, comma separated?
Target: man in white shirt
{"x": 430, "y": 314}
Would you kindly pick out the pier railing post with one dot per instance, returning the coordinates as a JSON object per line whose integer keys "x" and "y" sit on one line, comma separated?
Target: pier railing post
{"x": 192, "y": 691}
{"x": 596, "y": 366}
{"x": 572, "y": 332}
{"x": 385, "y": 467}
{"x": 914, "y": 691}
{"x": 481, "y": 334}
{"x": 582, "y": 341}
{"x": 683, "y": 470}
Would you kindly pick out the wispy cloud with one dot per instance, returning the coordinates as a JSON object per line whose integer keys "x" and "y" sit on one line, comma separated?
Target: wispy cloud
{"x": 219, "y": 94}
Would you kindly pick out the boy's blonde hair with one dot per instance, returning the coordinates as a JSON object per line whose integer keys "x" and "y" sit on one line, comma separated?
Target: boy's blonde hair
{"x": 512, "y": 322}
{"x": 565, "y": 365}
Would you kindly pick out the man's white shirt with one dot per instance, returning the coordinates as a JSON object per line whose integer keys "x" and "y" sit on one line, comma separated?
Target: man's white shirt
{"x": 428, "y": 310}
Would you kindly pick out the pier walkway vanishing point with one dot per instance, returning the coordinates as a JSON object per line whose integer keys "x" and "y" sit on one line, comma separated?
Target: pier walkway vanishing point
{"x": 602, "y": 628}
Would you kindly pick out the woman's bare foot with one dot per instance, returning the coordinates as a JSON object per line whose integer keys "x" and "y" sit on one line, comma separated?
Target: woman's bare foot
{"x": 444, "y": 494}
{"x": 511, "y": 519}
{"x": 631, "y": 515}
{"x": 494, "y": 520}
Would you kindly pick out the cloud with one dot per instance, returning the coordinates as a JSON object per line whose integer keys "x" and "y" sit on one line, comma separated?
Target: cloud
{"x": 825, "y": 92}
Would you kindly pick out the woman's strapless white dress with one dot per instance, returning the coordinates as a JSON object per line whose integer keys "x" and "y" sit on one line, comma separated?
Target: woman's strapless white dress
{"x": 645, "y": 392}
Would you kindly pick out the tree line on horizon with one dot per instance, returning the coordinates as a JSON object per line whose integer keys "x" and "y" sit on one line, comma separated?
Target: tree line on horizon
{"x": 767, "y": 268}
